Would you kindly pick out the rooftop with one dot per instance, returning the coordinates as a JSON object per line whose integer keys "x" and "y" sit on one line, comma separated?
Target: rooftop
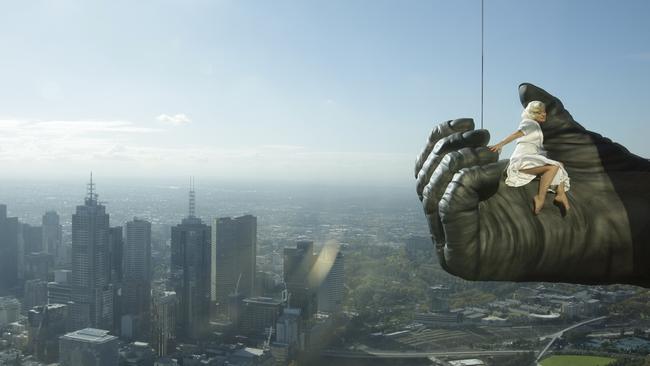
{"x": 248, "y": 352}
{"x": 90, "y": 335}
{"x": 263, "y": 300}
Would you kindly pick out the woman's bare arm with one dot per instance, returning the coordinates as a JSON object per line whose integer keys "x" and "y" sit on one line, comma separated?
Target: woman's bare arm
{"x": 515, "y": 135}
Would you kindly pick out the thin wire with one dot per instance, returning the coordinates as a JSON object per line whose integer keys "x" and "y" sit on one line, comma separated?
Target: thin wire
{"x": 482, "y": 56}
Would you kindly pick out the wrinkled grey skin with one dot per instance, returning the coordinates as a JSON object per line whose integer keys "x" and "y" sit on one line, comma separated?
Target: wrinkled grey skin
{"x": 485, "y": 230}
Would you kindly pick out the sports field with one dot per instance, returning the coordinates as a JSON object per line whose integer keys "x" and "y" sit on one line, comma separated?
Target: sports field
{"x": 577, "y": 361}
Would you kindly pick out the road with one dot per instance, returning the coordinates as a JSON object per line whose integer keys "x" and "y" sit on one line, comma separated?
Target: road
{"x": 412, "y": 354}
{"x": 559, "y": 334}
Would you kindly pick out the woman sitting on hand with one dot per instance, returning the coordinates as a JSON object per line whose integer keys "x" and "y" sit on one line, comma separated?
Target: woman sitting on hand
{"x": 529, "y": 159}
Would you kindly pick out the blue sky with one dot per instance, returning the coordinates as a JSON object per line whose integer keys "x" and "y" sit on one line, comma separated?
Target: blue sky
{"x": 330, "y": 91}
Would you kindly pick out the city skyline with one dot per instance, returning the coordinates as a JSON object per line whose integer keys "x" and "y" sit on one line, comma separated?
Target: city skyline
{"x": 392, "y": 286}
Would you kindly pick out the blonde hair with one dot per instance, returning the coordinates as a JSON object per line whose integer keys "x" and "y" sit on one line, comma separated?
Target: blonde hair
{"x": 533, "y": 110}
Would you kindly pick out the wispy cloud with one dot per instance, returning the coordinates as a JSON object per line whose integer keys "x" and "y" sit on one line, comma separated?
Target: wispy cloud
{"x": 283, "y": 147}
{"x": 30, "y": 140}
{"x": 176, "y": 120}
{"x": 120, "y": 147}
{"x": 79, "y": 127}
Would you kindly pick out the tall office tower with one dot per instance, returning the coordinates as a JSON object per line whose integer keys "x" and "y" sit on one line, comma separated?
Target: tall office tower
{"x": 33, "y": 237}
{"x": 163, "y": 321}
{"x": 116, "y": 253}
{"x": 298, "y": 263}
{"x": 60, "y": 291}
{"x": 38, "y": 266}
{"x": 92, "y": 292}
{"x": 52, "y": 235}
{"x": 115, "y": 256}
{"x": 331, "y": 290}
{"x": 289, "y": 339}
{"x": 258, "y": 314}
{"x": 234, "y": 247}
{"x": 10, "y": 230}
{"x": 88, "y": 347}
{"x": 288, "y": 327}
{"x": 35, "y": 294}
{"x": 136, "y": 287}
{"x": 190, "y": 274}
{"x": 45, "y": 325}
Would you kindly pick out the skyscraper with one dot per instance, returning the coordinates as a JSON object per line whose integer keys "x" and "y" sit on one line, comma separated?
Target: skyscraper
{"x": 60, "y": 291}
{"x": 163, "y": 322}
{"x": 10, "y": 230}
{"x": 35, "y": 294}
{"x": 258, "y": 314}
{"x": 116, "y": 253}
{"x": 52, "y": 234}
{"x": 33, "y": 237}
{"x": 45, "y": 325}
{"x": 92, "y": 292}
{"x": 38, "y": 266}
{"x": 298, "y": 263}
{"x": 190, "y": 274}
{"x": 234, "y": 250}
{"x": 136, "y": 286}
{"x": 115, "y": 256}
{"x": 331, "y": 290}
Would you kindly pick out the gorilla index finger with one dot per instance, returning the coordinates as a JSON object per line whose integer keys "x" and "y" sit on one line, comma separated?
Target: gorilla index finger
{"x": 439, "y": 132}
{"x": 455, "y": 141}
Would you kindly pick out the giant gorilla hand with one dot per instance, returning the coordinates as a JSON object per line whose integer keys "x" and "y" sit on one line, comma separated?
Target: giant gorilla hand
{"x": 485, "y": 230}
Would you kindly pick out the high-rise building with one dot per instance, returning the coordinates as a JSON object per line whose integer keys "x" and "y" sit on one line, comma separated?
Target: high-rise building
{"x": 52, "y": 235}
{"x": 33, "y": 238}
{"x": 258, "y": 314}
{"x": 136, "y": 286}
{"x": 298, "y": 263}
{"x": 331, "y": 290}
{"x": 288, "y": 328}
{"x": 10, "y": 234}
{"x": 45, "y": 325}
{"x": 289, "y": 337}
{"x": 234, "y": 245}
{"x": 115, "y": 256}
{"x": 190, "y": 274}
{"x": 92, "y": 292}
{"x": 116, "y": 253}
{"x": 38, "y": 266}
{"x": 60, "y": 291}
{"x": 88, "y": 347}
{"x": 163, "y": 321}
{"x": 35, "y": 294}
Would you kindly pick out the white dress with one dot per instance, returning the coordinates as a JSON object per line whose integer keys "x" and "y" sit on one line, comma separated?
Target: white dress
{"x": 529, "y": 153}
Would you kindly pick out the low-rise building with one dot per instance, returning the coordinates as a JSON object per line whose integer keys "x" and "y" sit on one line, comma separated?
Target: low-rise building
{"x": 88, "y": 347}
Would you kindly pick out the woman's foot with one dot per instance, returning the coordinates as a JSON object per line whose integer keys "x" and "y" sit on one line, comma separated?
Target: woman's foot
{"x": 563, "y": 202}
{"x": 538, "y": 204}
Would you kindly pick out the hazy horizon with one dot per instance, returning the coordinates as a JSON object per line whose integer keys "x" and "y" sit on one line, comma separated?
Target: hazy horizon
{"x": 335, "y": 92}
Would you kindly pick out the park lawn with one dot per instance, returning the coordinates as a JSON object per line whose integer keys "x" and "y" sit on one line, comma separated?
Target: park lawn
{"x": 577, "y": 361}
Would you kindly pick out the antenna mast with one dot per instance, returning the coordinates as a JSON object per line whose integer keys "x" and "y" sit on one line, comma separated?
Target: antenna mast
{"x": 92, "y": 196}
{"x": 192, "y": 198}
{"x": 482, "y": 55}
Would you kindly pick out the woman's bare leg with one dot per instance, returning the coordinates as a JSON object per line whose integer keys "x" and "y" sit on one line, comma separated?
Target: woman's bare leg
{"x": 561, "y": 197}
{"x": 547, "y": 173}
